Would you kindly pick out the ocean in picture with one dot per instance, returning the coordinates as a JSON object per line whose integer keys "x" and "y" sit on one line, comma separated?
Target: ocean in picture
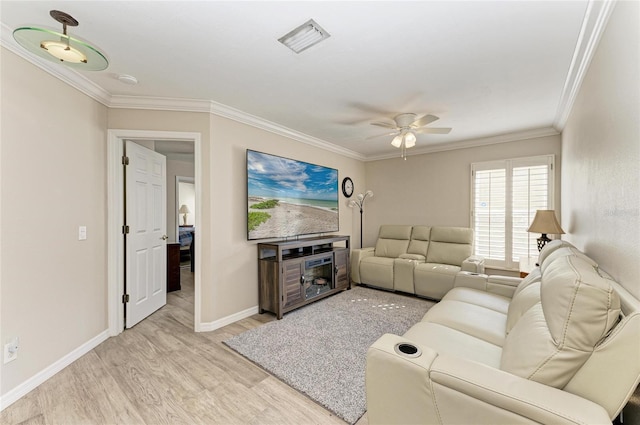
{"x": 287, "y": 197}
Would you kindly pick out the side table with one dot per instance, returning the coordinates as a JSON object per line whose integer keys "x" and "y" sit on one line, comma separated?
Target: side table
{"x": 526, "y": 265}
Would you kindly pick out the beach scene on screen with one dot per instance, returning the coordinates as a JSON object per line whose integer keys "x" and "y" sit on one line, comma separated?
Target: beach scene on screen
{"x": 289, "y": 198}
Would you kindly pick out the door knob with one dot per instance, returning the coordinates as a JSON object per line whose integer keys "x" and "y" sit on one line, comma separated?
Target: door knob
{"x": 165, "y": 237}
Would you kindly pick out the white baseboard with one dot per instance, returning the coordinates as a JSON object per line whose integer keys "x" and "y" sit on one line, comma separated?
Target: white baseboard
{"x": 32, "y": 383}
{"x": 216, "y": 324}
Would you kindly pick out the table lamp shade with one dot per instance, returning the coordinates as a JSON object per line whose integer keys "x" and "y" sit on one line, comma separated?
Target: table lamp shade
{"x": 545, "y": 222}
{"x": 184, "y": 209}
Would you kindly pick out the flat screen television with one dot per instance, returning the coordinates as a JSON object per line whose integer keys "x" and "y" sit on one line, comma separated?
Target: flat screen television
{"x": 287, "y": 197}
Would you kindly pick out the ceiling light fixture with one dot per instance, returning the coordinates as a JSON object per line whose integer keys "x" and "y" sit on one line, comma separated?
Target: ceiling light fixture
{"x": 305, "y": 36}
{"x": 61, "y": 47}
{"x": 404, "y": 141}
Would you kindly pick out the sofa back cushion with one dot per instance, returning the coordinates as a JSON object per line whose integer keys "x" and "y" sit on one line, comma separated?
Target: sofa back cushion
{"x": 550, "y": 247}
{"x": 419, "y": 243}
{"x": 553, "y": 339}
{"x": 393, "y": 240}
{"x": 526, "y": 295}
{"x": 450, "y": 245}
{"x": 563, "y": 252}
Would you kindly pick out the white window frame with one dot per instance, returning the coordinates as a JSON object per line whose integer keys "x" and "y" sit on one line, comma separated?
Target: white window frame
{"x": 509, "y": 164}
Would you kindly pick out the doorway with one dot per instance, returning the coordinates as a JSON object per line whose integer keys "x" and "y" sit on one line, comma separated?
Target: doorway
{"x": 115, "y": 218}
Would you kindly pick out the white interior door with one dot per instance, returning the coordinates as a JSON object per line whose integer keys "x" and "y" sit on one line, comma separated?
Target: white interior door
{"x": 146, "y": 212}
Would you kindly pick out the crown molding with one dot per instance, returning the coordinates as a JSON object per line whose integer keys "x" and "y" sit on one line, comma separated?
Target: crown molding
{"x": 237, "y": 115}
{"x": 593, "y": 26}
{"x": 160, "y": 103}
{"x": 472, "y": 143}
{"x": 67, "y": 75}
{"x": 219, "y": 109}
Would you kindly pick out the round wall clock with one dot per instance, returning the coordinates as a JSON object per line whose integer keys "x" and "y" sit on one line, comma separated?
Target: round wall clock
{"x": 347, "y": 187}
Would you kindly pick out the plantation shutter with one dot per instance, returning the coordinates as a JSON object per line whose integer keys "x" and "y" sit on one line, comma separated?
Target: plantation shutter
{"x": 530, "y": 193}
{"x": 505, "y": 197}
{"x": 490, "y": 213}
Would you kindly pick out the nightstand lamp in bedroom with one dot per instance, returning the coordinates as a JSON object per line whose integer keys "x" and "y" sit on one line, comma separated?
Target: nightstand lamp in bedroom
{"x": 184, "y": 209}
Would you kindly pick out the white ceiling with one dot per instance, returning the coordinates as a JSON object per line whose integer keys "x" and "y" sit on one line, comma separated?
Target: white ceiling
{"x": 485, "y": 68}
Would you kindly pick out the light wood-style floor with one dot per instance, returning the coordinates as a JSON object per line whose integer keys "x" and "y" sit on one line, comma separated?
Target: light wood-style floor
{"x": 161, "y": 372}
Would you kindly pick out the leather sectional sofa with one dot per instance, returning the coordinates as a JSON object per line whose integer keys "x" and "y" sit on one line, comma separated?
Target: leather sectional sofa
{"x": 419, "y": 260}
{"x": 561, "y": 347}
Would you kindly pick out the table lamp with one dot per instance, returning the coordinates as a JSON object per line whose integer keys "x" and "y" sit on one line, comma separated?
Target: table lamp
{"x": 545, "y": 222}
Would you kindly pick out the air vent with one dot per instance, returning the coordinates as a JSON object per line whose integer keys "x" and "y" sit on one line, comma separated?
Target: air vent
{"x": 305, "y": 36}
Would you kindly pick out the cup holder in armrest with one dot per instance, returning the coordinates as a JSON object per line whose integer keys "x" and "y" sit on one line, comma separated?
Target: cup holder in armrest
{"x": 407, "y": 350}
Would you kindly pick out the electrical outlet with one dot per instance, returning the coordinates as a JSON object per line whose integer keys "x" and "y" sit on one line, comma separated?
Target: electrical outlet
{"x": 11, "y": 350}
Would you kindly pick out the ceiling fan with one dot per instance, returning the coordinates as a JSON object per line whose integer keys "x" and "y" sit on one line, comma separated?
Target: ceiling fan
{"x": 406, "y": 126}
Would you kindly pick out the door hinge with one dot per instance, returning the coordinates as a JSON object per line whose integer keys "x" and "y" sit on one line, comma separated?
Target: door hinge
{"x": 125, "y": 160}
{"x": 125, "y": 298}
{"x": 125, "y": 229}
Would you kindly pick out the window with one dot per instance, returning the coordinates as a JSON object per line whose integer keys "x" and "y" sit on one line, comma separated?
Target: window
{"x": 505, "y": 197}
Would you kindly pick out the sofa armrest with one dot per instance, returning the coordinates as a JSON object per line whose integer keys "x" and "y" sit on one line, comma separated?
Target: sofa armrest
{"x": 356, "y": 256}
{"x": 473, "y": 264}
{"x": 435, "y": 388}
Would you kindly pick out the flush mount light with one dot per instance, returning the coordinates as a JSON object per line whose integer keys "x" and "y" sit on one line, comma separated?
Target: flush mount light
{"x": 305, "y": 36}
{"x": 61, "y": 47}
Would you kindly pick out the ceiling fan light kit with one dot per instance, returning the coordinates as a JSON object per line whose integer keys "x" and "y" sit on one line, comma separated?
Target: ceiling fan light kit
{"x": 61, "y": 47}
{"x": 406, "y": 126}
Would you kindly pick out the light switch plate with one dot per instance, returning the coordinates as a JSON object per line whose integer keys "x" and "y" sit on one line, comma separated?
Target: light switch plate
{"x": 82, "y": 233}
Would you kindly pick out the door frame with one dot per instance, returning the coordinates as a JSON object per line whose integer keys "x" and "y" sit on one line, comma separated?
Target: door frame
{"x": 115, "y": 218}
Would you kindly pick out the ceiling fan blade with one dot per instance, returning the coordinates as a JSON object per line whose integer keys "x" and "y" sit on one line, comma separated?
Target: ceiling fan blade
{"x": 384, "y": 124}
{"x": 427, "y": 119}
{"x": 380, "y": 135}
{"x": 442, "y": 130}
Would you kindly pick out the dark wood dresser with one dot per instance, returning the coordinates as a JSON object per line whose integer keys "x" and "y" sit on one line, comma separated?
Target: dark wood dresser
{"x": 173, "y": 267}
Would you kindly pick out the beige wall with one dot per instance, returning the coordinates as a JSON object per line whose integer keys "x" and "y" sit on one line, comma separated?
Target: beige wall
{"x": 233, "y": 258}
{"x": 59, "y": 182}
{"x": 53, "y": 179}
{"x": 228, "y": 261}
{"x": 435, "y": 189}
{"x": 601, "y": 153}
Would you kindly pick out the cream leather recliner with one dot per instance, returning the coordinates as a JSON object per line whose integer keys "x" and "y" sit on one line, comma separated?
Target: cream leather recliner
{"x": 421, "y": 260}
{"x": 563, "y": 348}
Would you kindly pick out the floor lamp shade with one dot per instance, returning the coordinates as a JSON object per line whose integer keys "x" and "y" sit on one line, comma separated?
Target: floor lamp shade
{"x": 545, "y": 222}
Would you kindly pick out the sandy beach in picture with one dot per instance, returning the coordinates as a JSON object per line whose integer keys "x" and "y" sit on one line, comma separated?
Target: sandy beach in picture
{"x": 287, "y": 219}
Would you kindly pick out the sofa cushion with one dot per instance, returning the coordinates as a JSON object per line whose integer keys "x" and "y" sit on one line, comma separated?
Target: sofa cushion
{"x": 450, "y": 245}
{"x": 563, "y": 252}
{"x": 393, "y": 240}
{"x": 555, "y": 337}
{"x": 419, "y": 243}
{"x": 551, "y": 247}
{"x": 448, "y": 341}
{"x": 377, "y": 271}
{"x": 462, "y": 235}
{"x": 526, "y": 295}
{"x": 434, "y": 280}
{"x": 479, "y": 297}
{"x": 481, "y": 322}
{"x": 522, "y": 302}
{"x": 448, "y": 253}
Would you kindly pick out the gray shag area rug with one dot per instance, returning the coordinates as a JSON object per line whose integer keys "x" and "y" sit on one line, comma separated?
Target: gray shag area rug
{"x": 320, "y": 349}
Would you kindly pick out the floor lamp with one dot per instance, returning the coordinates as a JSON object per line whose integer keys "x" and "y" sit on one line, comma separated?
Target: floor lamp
{"x": 360, "y": 204}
